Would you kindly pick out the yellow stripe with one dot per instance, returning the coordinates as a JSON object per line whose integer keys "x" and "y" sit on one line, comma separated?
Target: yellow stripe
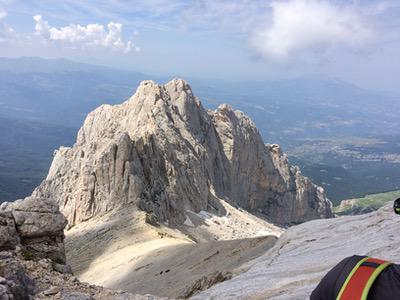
{"x": 349, "y": 277}
{"x": 372, "y": 278}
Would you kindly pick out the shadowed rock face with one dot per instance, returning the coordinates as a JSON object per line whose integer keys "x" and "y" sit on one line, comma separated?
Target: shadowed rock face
{"x": 166, "y": 154}
{"x": 34, "y": 224}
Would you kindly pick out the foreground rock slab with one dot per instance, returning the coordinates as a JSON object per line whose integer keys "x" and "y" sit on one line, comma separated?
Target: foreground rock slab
{"x": 304, "y": 253}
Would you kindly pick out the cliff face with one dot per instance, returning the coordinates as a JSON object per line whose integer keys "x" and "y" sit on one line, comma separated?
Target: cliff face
{"x": 162, "y": 152}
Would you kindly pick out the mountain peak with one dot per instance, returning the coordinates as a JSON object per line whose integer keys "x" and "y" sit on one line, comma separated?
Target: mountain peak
{"x": 178, "y": 85}
{"x": 163, "y": 153}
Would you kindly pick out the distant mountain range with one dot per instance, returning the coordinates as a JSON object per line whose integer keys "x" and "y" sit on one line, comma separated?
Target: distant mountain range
{"x": 58, "y": 93}
{"x": 287, "y": 110}
{"x": 62, "y": 92}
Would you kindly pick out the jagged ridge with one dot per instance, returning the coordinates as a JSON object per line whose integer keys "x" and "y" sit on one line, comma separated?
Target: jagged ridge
{"x": 164, "y": 153}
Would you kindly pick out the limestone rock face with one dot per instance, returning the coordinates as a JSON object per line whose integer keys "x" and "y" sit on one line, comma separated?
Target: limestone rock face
{"x": 164, "y": 153}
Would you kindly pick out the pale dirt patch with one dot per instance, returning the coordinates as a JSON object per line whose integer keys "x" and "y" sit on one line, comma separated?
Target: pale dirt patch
{"x": 121, "y": 251}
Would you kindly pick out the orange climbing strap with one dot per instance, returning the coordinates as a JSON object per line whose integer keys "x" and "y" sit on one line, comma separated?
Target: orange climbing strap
{"x": 361, "y": 278}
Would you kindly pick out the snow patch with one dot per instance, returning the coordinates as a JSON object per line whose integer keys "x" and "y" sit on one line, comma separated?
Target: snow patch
{"x": 188, "y": 222}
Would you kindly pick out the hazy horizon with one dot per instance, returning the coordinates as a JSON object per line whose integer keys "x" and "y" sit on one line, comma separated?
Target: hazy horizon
{"x": 354, "y": 41}
{"x": 168, "y": 76}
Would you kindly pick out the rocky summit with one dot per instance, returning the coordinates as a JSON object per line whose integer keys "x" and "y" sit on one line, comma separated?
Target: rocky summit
{"x": 164, "y": 153}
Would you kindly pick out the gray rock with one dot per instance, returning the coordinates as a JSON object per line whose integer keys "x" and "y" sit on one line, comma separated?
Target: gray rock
{"x": 31, "y": 230}
{"x": 51, "y": 291}
{"x": 8, "y": 233}
{"x": 37, "y": 217}
{"x": 61, "y": 268}
{"x": 73, "y": 279}
{"x": 5, "y": 293}
{"x": 77, "y": 296}
{"x": 206, "y": 282}
{"x": 164, "y": 153}
{"x": 29, "y": 279}
{"x": 305, "y": 253}
{"x": 14, "y": 283}
{"x": 36, "y": 226}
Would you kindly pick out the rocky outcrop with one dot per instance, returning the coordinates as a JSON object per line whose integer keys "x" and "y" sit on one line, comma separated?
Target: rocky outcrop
{"x": 29, "y": 279}
{"x": 32, "y": 257}
{"x": 30, "y": 229}
{"x": 206, "y": 282}
{"x": 36, "y": 226}
{"x": 163, "y": 152}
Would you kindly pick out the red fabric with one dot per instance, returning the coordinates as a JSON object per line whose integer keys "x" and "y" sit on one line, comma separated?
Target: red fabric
{"x": 358, "y": 281}
{"x": 376, "y": 260}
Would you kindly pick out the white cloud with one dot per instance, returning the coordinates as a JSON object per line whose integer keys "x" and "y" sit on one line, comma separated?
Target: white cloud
{"x": 6, "y": 32}
{"x": 91, "y": 35}
{"x": 299, "y": 25}
{"x": 3, "y": 14}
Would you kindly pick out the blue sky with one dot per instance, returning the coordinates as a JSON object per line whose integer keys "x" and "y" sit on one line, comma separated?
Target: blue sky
{"x": 356, "y": 41}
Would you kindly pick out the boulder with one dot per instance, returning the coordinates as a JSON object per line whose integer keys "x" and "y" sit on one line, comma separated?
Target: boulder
{"x": 35, "y": 224}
